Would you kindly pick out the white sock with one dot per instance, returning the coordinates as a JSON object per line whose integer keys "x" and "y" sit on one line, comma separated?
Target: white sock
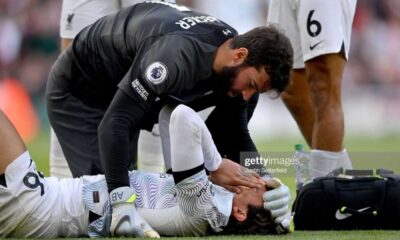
{"x": 323, "y": 162}
{"x": 150, "y": 157}
{"x": 58, "y": 164}
{"x": 344, "y": 160}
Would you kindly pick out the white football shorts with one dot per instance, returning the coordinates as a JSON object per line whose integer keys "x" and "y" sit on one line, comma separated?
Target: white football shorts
{"x": 34, "y": 206}
{"x": 78, "y": 14}
{"x": 314, "y": 27}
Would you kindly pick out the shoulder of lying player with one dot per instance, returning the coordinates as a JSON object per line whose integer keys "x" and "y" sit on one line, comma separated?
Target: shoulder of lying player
{"x": 200, "y": 199}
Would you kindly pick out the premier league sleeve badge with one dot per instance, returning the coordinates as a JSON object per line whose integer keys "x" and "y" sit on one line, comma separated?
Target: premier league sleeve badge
{"x": 156, "y": 73}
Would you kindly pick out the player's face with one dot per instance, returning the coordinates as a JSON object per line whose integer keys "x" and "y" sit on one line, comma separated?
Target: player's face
{"x": 248, "y": 81}
{"x": 251, "y": 196}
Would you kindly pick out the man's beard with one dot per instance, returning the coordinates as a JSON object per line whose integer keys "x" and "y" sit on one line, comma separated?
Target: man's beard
{"x": 226, "y": 78}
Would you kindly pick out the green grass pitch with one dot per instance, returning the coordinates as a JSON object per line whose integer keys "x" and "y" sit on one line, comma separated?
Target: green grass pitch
{"x": 364, "y": 152}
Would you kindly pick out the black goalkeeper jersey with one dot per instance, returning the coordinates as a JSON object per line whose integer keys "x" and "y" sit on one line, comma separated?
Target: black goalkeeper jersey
{"x": 127, "y": 65}
{"x": 152, "y": 49}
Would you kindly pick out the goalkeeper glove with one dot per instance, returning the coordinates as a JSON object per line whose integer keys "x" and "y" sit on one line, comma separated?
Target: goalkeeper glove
{"x": 277, "y": 200}
{"x": 123, "y": 221}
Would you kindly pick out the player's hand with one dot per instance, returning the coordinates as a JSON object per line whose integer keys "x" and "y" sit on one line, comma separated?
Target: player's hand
{"x": 277, "y": 200}
{"x": 230, "y": 175}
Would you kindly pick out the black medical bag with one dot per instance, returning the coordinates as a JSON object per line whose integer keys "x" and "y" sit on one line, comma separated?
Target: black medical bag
{"x": 349, "y": 199}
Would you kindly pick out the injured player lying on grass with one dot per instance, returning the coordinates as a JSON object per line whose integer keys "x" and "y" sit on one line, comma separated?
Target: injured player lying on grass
{"x": 185, "y": 203}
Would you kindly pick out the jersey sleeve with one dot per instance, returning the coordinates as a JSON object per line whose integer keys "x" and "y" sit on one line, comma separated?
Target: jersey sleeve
{"x": 173, "y": 64}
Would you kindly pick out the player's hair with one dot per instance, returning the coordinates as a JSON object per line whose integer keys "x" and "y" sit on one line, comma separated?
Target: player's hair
{"x": 269, "y": 48}
{"x": 259, "y": 222}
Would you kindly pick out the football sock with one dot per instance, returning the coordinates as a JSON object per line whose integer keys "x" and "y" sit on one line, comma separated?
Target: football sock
{"x": 323, "y": 162}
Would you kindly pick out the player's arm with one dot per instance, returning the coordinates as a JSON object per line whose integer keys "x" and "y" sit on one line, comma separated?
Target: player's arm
{"x": 120, "y": 122}
{"x": 154, "y": 73}
{"x": 193, "y": 149}
{"x": 224, "y": 172}
{"x": 228, "y": 124}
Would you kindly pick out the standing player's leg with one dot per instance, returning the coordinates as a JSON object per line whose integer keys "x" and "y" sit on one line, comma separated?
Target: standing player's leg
{"x": 324, "y": 74}
{"x": 325, "y": 31}
{"x": 320, "y": 34}
{"x": 298, "y": 101}
{"x": 316, "y": 107}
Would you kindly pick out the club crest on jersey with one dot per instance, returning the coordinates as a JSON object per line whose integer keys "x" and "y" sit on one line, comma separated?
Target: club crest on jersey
{"x": 156, "y": 73}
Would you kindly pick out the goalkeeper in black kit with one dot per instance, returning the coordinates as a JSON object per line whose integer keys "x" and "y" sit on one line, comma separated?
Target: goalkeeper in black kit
{"x": 118, "y": 73}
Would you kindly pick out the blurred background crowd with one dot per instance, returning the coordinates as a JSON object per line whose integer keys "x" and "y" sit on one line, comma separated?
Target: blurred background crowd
{"x": 29, "y": 44}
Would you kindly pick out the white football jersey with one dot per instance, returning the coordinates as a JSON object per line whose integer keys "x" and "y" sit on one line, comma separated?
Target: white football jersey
{"x": 33, "y": 206}
{"x": 185, "y": 209}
